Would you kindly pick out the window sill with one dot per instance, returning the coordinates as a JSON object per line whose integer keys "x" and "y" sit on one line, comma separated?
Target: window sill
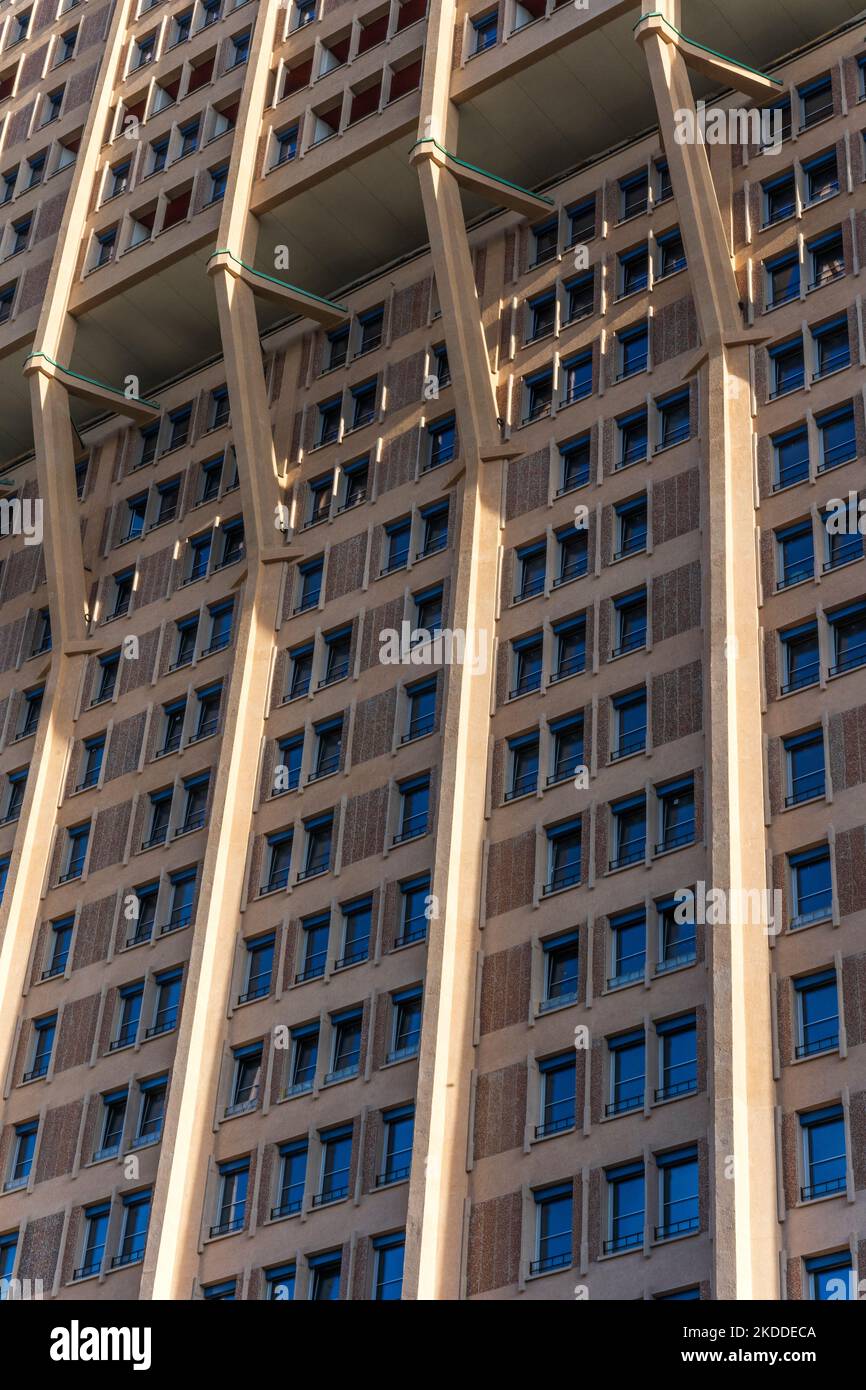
{"x": 547, "y": 1273}
{"x": 674, "y": 1240}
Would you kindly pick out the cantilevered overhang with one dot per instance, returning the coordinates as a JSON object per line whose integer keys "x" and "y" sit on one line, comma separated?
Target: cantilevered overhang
{"x": 574, "y": 83}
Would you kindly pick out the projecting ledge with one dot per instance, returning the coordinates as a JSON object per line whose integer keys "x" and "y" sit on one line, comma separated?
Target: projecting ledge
{"x": 111, "y": 398}
{"x": 501, "y": 192}
{"x": 303, "y": 302}
{"x": 718, "y": 67}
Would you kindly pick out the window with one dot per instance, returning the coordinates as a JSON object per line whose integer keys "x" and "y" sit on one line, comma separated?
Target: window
{"x": 528, "y": 652}
{"x": 545, "y": 240}
{"x": 581, "y": 221}
{"x": 630, "y": 617}
{"x": 178, "y": 427}
{"x": 837, "y": 435}
{"x": 579, "y": 297}
{"x": 293, "y": 1179}
{"x": 566, "y": 748}
{"x": 811, "y": 886}
{"x": 574, "y": 460}
{"x": 560, "y": 971}
{"x": 678, "y": 1193}
{"x": 77, "y": 840}
{"x": 826, "y": 259}
{"x": 128, "y": 1016}
{"x": 338, "y": 653}
{"x": 428, "y": 614}
{"x": 414, "y": 909}
{"x": 21, "y": 235}
{"x": 435, "y": 535}
{"x": 146, "y": 899}
{"x": 105, "y": 244}
{"x": 41, "y": 1047}
{"x": 329, "y": 741}
{"x": 573, "y": 555}
{"x": 570, "y": 638}
{"x": 791, "y": 456}
{"x": 300, "y": 671}
{"x": 346, "y": 1045}
{"x": 537, "y": 394}
{"x": 218, "y": 181}
{"x": 232, "y": 543}
{"x": 414, "y": 809}
{"x": 542, "y": 315}
{"x": 398, "y": 539}
{"x": 800, "y": 658}
{"x": 633, "y": 350}
{"x": 53, "y": 106}
{"x": 443, "y": 442}
{"x": 406, "y": 1024}
{"x": 629, "y": 724}
{"x": 632, "y": 438}
{"x": 677, "y": 824}
{"x": 628, "y": 824}
{"x": 225, "y": 1292}
{"x": 355, "y": 479}
{"x": 8, "y": 182}
{"x": 246, "y": 1079}
{"x": 211, "y": 12}
{"x": 817, "y": 1020}
{"x": 304, "y": 13}
{"x": 634, "y": 193}
{"x": 304, "y": 1056}
{"x": 831, "y": 1277}
{"x": 320, "y": 499}
{"x": 166, "y": 1003}
{"x": 779, "y": 113}
{"x": 357, "y": 925}
{"x": 848, "y": 626}
{"x": 782, "y": 279}
{"x": 563, "y": 856}
{"x": 524, "y": 766}
{"x": 576, "y": 377}
{"x": 21, "y": 27}
{"x": 158, "y": 155}
{"x": 399, "y": 1132}
{"x": 674, "y": 419}
{"x": 211, "y": 477}
{"x": 336, "y": 1163}
{"x": 287, "y": 773}
{"x": 32, "y": 708}
{"x": 182, "y": 27}
{"x": 36, "y": 168}
{"x": 557, "y": 1095}
{"x": 317, "y": 856}
{"x": 821, "y": 176}
{"x": 677, "y": 939}
{"x": 364, "y": 404}
{"x": 804, "y": 760}
{"x": 232, "y": 1197}
{"x": 24, "y": 1147}
{"x": 325, "y": 1273}
{"x": 240, "y": 49}
{"x": 4, "y": 874}
{"x": 831, "y": 347}
{"x": 671, "y": 253}
{"x": 678, "y": 1057}
{"x": 633, "y": 270}
{"x": 111, "y": 1132}
{"x": 279, "y": 853}
{"x": 152, "y": 1112}
{"x": 370, "y": 328}
{"x": 824, "y": 1161}
{"x": 199, "y": 556}
{"x": 95, "y": 1237}
{"x": 664, "y": 187}
{"x": 160, "y": 802}
{"x": 531, "y": 568}
{"x": 59, "y": 944}
{"x": 631, "y": 527}
{"x": 484, "y": 32}
{"x": 259, "y": 965}
{"x": 816, "y": 101}
{"x": 841, "y": 547}
{"x": 187, "y": 631}
{"x": 221, "y": 616}
{"x": 780, "y": 199}
{"x": 7, "y": 302}
{"x": 314, "y": 947}
{"x": 628, "y": 948}
{"x": 17, "y": 785}
{"x": 310, "y": 584}
{"x": 627, "y": 1072}
{"x": 625, "y": 1189}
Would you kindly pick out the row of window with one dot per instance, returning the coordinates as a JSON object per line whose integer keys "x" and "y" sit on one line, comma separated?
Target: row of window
{"x": 409, "y": 818}
{"x": 568, "y": 549}
{"x": 311, "y": 1066}
{"x": 829, "y": 351}
{"x": 136, "y": 1124}
{"x": 841, "y": 639}
{"x": 321, "y": 1276}
{"x": 798, "y": 450}
{"x": 127, "y": 1222}
{"x": 796, "y": 547}
{"x": 196, "y": 636}
{"x": 205, "y": 554}
{"x": 808, "y": 183}
{"x": 564, "y": 651}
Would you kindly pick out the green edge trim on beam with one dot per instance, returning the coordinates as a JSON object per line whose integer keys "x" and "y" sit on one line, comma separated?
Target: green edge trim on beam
{"x": 284, "y": 284}
{"x": 507, "y": 183}
{"x": 725, "y": 57}
{"x": 91, "y": 381}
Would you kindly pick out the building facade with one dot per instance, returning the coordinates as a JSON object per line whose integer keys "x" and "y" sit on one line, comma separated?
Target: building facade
{"x": 433, "y": 632}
